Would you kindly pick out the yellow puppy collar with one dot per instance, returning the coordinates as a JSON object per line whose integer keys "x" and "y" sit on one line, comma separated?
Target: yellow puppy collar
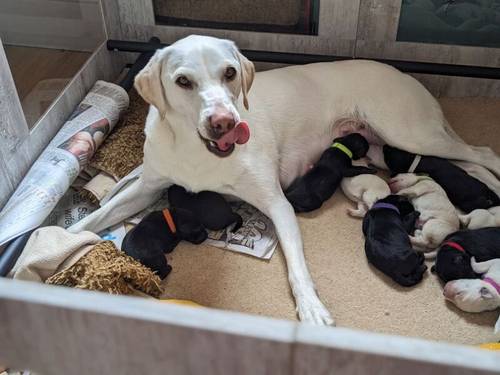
{"x": 342, "y": 148}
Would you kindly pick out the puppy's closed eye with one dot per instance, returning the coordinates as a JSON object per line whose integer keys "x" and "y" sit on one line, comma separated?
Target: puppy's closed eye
{"x": 485, "y": 293}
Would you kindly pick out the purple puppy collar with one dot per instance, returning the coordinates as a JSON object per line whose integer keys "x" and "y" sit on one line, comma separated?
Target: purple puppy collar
{"x": 385, "y": 205}
{"x": 493, "y": 283}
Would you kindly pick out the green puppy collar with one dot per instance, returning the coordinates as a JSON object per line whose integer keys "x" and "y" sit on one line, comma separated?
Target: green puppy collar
{"x": 342, "y": 148}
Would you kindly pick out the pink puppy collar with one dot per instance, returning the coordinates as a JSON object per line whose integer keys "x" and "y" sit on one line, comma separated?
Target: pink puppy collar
{"x": 493, "y": 283}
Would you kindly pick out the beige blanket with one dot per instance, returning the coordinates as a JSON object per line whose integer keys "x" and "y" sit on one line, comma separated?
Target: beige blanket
{"x": 49, "y": 250}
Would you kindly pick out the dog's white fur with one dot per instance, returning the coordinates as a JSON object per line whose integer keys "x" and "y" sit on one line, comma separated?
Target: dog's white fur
{"x": 293, "y": 117}
{"x": 476, "y": 295}
{"x": 438, "y": 216}
{"x": 481, "y": 218}
{"x": 364, "y": 190}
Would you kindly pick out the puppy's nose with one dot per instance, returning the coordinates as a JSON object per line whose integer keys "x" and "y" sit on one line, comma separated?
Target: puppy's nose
{"x": 221, "y": 123}
{"x": 449, "y": 292}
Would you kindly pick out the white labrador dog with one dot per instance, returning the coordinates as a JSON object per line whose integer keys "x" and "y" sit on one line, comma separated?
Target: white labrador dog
{"x": 194, "y": 122}
{"x": 476, "y": 295}
{"x": 438, "y": 217}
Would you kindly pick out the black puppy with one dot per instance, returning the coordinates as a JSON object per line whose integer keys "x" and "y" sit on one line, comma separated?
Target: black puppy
{"x": 308, "y": 192}
{"x": 160, "y": 232}
{"x": 463, "y": 190}
{"x": 210, "y": 208}
{"x": 454, "y": 255}
{"x": 387, "y": 245}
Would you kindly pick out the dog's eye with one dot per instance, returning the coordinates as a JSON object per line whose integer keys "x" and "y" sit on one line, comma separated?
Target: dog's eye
{"x": 485, "y": 293}
{"x": 183, "y": 82}
{"x": 230, "y": 73}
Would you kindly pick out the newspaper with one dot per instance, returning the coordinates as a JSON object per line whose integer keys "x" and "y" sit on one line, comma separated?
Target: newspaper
{"x": 256, "y": 236}
{"x": 60, "y": 163}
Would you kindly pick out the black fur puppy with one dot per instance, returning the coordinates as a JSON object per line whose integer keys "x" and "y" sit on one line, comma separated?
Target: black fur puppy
{"x": 456, "y": 251}
{"x": 210, "y": 208}
{"x": 308, "y": 192}
{"x": 160, "y": 232}
{"x": 463, "y": 190}
{"x": 387, "y": 245}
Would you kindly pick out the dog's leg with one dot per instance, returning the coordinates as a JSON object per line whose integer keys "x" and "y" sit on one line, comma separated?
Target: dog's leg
{"x": 132, "y": 199}
{"x": 359, "y": 212}
{"x": 432, "y": 234}
{"x": 272, "y": 202}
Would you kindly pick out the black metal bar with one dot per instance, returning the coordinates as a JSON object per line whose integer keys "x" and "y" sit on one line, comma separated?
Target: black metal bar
{"x": 12, "y": 251}
{"x": 128, "y": 81}
{"x": 302, "y": 58}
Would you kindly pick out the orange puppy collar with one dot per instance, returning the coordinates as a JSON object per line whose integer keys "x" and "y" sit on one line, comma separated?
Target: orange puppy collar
{"x": 170, "y": 221}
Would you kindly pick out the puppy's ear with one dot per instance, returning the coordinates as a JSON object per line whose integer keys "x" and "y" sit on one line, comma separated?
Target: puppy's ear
{"x": 482, "y": 267}
{"x": 149, "y": 85}
{"x": 247, "y": 70}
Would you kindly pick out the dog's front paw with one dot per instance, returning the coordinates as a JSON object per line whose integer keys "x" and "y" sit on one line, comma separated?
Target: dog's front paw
{"x": 311, "y": 310}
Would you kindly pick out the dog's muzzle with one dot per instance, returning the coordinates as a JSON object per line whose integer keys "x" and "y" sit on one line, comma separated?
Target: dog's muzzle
{"x": 225, "y": 144}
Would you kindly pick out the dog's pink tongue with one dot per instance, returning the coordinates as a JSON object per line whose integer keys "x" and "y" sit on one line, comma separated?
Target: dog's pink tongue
{"x": 240, "y": 134}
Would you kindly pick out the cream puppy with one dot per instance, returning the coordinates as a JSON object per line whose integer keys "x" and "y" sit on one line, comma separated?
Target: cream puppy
{"x": 438, "y": 216}
{"x": 364, "y": 190}
{"x": 476, "y": 295}
{"x": 481, "y": 218}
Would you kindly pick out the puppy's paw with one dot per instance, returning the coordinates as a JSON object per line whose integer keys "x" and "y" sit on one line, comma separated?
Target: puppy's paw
{"x": 311, "y": 310}
{"x": 355, "y": 213}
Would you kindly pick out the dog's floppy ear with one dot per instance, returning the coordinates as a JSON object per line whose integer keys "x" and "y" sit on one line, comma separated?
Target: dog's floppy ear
{"x": 481, "y": 267}
{"x": 149, "y": 85}
{"x": 247, "y": 70}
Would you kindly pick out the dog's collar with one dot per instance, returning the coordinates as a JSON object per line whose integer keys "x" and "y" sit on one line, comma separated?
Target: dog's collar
{"x": 170, "y": 221}
{"x": 414, "y": 163}
{"x": 380, "y": 205}
{"x": 493, "y": 283}
{"x": 454, "y": 245}
{"x": 342, "y": 148}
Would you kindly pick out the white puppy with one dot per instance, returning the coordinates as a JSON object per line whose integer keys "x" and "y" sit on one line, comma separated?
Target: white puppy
{"x": 476, "y": 295}
{"x": 481, "y": 218}
{"x": 438, "y": 216}
{"x": 199, "y": 91}
{"x": 365, "y": 190}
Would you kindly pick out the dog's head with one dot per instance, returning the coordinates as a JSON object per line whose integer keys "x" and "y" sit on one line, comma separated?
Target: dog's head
{"x": 453, "y": 264}
{"x": 356, "y": 143}
{"x": 196, "y": 82}
{"x": 189, "y": 228}
{"x": 411, "y": 269}
{"x": 476, "y": 295}
{"x": 402, "y": 203}
{"x": 397, "y": 160}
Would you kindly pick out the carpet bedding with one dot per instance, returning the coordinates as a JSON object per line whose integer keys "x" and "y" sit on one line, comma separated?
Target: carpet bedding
{"x": 356, "y": 293}
{"x": 122, "y": 151}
